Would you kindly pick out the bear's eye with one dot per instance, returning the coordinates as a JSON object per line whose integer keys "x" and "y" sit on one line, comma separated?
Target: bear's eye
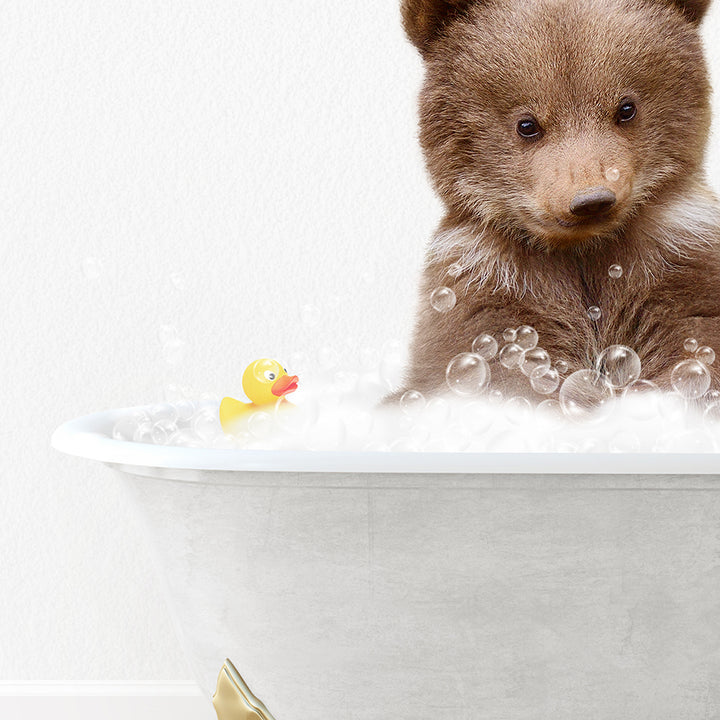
{"x": 626, "y": 111}
{"x": 529, "y": 128}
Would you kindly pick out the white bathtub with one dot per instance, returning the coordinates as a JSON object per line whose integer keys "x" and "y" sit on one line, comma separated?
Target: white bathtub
{"x": 423, "y": 585}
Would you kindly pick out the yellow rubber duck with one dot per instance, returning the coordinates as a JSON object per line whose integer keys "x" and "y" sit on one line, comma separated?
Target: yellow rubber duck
{"x": 264, "y": 382}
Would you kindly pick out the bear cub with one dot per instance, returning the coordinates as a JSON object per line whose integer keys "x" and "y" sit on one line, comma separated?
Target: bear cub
{"x": 566, "y": 137}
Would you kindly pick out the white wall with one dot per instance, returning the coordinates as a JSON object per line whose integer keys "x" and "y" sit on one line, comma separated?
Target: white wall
{"x": 265, "y": 154}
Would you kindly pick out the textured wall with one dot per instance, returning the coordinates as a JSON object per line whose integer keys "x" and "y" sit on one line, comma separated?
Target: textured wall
{"x": 213, "y": 166}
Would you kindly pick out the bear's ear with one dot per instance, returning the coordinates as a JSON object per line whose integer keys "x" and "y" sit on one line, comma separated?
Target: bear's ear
{"x": 694, "y": 10}
{"x": 424, "y": 20}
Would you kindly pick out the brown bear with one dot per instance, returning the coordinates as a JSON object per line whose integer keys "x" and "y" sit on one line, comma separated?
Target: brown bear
{"x": 565, "y": 137}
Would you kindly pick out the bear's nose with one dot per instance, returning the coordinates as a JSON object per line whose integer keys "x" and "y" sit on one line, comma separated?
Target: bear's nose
{"x": 592, "y": 202}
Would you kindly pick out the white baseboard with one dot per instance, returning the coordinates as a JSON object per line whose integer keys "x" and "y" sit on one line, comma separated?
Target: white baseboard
{"x": 107, "y": 702}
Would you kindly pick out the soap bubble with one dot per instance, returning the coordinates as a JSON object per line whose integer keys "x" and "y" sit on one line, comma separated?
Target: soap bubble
{"x": 206, "y": 423}
{"x": 615, "y": 271}
{"x": 526, "y": 337}
{"x": 705, "y": 354}
{"x": 585, "y": 395}
{"x": 125, "y": 427}
{"x": 641, "y": 399}
{"x": 443, "y": 299}
{"x": 509, "y": 335}
{"x": 690, "y": 345}
{"x": 143, "y": 432}
{"x": 467, "y": 374}
{"x": 594, "y": 313}
{"x": 612, "y": 174}
{"x": 546, "y": 382}
{"x": 184, "y": 438}
{"x": 162, "y": 431}
{"x": 412, "y": 402}
{"x": 163, "y": 411}
{"x": 690, "y": 379}
{"x": 535, "y": 362}
{"x": 511, "y": 356}
{"x": 561, "y": 366}
{"x": 619, "y": 364}
{"x": 260, "y": 425}
{"x": 495, "y": 396}
{"x": 92, "y": 268}
{"x": 485, "y": 346}
{"x": 550, "y": 410}
{"x": 712, "y": 396}
{"x": 455, "y": 270}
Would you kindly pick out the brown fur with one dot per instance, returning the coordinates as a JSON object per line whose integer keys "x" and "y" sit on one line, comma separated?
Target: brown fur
{"x": 569, "y": 63}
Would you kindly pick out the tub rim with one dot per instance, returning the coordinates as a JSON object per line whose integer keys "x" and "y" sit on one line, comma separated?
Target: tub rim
{"x": 90, "y": 437}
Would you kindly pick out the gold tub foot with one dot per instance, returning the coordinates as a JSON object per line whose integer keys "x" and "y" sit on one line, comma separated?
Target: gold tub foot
{"x": 233, "y": 699}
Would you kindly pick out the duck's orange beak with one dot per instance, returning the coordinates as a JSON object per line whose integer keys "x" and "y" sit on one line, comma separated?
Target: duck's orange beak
{"x": 284, "y": 385}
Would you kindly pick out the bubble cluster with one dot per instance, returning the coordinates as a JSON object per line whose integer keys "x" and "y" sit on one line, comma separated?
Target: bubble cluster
{"x": 443, "y": 299}
{"x": 339, "y": 405}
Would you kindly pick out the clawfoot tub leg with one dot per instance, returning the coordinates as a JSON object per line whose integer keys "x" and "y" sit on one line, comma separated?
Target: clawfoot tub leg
{"x": 233, "y": 699}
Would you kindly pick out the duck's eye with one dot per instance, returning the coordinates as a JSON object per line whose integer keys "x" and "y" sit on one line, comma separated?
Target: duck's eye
{"x": 529, "y": 128}
{"x": 626, "y": 112}
{"x": 269, "y": 375}
{"x": 285, "y": 371}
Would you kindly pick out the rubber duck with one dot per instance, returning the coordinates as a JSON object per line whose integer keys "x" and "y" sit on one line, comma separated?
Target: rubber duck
{"x": 264, "y": 382}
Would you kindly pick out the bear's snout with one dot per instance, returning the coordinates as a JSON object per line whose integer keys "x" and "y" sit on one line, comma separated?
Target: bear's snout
{"x": 594, "y": 201}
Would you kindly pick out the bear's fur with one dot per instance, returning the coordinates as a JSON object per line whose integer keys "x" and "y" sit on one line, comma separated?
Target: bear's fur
{"x": 569, "y": 65}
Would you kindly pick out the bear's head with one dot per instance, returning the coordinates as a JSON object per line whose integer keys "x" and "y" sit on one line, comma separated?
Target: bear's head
{"x": 556, "y": 120}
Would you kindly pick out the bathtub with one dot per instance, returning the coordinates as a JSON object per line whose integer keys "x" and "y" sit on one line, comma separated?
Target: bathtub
{"x": 359, "y": 586}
